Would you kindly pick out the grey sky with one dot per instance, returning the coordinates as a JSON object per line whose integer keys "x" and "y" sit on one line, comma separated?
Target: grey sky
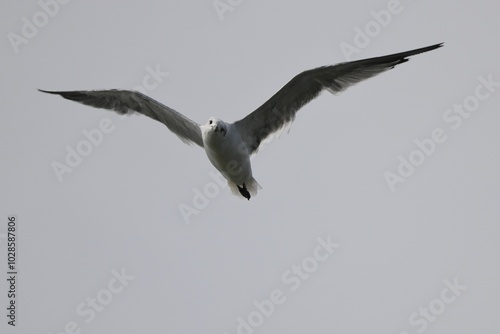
{"x": 118, "y": 210}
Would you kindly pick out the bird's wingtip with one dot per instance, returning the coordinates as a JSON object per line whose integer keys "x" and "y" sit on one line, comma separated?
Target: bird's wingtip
{"x": 435, "y": 46}
{"x": 47, "y": 91}
{"x": 438, "y": 45}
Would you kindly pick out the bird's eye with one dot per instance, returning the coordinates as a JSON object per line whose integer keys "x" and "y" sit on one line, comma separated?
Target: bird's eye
{"x": 210, "y": 122}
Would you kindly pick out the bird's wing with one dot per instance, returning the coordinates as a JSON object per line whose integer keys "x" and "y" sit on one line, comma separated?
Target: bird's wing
{"x": 125, "y": 101}
{"x": 280, "y": 109}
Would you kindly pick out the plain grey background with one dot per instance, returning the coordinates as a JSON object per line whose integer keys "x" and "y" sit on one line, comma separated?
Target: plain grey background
{"x": 119, "y": 209}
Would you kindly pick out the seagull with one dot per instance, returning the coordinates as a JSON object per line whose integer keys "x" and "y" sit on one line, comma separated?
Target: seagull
{"x": 230, "y": 145}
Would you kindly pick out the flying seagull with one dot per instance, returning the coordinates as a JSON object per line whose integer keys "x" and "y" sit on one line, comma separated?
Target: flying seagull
{"x": 230, "y": 145}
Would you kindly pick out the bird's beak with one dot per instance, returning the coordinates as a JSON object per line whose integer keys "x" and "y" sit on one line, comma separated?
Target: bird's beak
{"x": 220, "y": 129}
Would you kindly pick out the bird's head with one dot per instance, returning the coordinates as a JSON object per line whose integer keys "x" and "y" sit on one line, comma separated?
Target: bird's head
{"x": 217, "y": 126}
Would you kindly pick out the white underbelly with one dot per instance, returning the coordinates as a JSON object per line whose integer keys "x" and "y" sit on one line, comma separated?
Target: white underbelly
{"x": 232, "y": 164}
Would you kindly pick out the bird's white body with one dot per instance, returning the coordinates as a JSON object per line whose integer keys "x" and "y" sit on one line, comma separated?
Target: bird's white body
{"x": 230, "y": 145}
{"x": 227, "y": 151}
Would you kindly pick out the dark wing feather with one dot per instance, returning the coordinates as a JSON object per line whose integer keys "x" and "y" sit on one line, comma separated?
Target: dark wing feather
{"x": 282, "y": 107}
{"x": 125, "y": 101}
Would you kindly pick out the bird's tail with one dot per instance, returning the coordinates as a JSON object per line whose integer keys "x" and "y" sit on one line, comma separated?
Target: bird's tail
{"x": 252, "y": 186}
